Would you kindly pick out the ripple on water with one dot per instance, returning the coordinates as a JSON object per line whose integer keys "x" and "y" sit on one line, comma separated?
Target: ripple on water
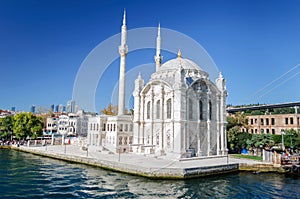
{"x": 28, "y": 176}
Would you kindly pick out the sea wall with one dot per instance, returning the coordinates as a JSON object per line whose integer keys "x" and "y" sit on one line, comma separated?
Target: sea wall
{"x": 153, "y": 173}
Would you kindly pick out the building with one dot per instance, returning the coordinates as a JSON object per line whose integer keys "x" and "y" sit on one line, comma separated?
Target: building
{"x": 52, "y": 107}
{"x": 60, "y": 108}
{"x": 273, "y": 124}
{"x": 96, "y": 127}
{"x": 70, "y": 106}
{"x": 82, "y": 123}
{"x": 180, "y": 111}
{"x": 56, "y": 108}
{"x": 52, "y": 125}
{"x": 32, "y": 109}
{"x": 63, "y": 125}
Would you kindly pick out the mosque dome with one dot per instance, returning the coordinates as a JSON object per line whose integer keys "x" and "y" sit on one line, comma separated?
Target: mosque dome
{"x": 179, "y": 62}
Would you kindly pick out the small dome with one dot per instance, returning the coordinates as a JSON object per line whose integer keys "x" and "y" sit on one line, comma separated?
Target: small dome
{"x": 179, "y": 62}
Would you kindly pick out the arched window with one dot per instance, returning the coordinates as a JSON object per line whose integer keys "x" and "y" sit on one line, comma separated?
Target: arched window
{"x": 190, "y": 109}
{"x": 148, "y": 110}
{"x": 169, "y": 108}
{"x": 158, "y": 109}
{"x": 210, "y": 110}
{"x": 200, "y": 110}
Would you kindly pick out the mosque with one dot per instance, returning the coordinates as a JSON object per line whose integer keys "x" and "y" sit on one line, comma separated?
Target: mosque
{"x": 179, "y": 113}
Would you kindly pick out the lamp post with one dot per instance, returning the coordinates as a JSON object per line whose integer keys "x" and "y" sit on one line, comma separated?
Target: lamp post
{"x": 87, "y": 150}
{"x": 261, "y": 150}
{"x": 282, "y": 139}
{"x": 119, "y": 150}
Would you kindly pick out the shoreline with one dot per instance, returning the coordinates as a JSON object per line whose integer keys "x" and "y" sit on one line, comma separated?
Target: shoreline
{"x": 150, "y": 167}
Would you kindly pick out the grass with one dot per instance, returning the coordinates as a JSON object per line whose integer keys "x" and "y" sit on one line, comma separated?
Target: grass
{"x": 259, "y": 158}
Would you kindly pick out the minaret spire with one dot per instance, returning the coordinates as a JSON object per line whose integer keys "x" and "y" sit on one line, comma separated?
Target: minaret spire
{"x": 158, "y": 57}
{"x": 124, "y": 18}
{"x": 123, "y": 49}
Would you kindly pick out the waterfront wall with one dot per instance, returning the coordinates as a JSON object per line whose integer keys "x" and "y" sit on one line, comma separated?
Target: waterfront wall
{"x": 154, "y": 173}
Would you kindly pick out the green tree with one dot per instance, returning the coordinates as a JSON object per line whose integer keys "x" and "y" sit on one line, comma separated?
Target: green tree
{"x": 238, "y": 119}
{"x": 236, "y": 139}
{"x": 257, "y": 140}
{"x": 27, "y": 124}
{"x": 292, "y": 138}
{"x": 6, "y": 127}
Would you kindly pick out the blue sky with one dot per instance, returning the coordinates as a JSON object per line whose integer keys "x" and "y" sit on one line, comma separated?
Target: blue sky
{"x": 43, "y": 44}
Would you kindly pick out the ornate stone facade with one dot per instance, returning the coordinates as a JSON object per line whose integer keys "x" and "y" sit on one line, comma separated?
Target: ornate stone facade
{"x": 180, "y": 111}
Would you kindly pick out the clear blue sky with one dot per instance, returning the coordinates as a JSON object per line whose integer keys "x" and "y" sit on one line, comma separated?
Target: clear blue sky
{"x": 43, "y": 43}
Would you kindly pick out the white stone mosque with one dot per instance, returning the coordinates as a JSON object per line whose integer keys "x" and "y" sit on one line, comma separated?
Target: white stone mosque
{"x": 179, "y": 113}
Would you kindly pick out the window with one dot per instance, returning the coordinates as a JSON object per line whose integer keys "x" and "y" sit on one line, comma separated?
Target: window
{"x": 273, "y": 121}
{"x": 114, "y": 127}
{"x": 130, "y": 140}
{"x": 255, "y": 121}
{"x": 126, "y": 127}
{"x": 261, "y": 121}
{"x": 210, "y": 110}
{"x": 200, "y": 110}
{"x": 251, "y": 121}
{"x": 104, "y": 126}
{"x": 268, "y": 131}
{"x": 169, "y": 108}
{"x": 291, "y": 120}
{"x": 97, "y": 127}
{"x": 158, "y": 109}
{"x": 120, "y": 140}
{"x": 273, "y": 131}
{"x": 148, "y": 110}
{"x": 130, "y": 127}
{"x": 190, "y": 109}
{"x": 267, "y": 121}
{"x": 121, "y": 127}
{"x": 125, "y": 140}
{"x": 286, "y": 120}
{"x": 252, "y": 131}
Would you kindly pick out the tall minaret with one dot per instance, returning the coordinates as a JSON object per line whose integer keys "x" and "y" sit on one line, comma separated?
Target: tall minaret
{"x": 158, "y": 57}
{"x": 123, "y": 49}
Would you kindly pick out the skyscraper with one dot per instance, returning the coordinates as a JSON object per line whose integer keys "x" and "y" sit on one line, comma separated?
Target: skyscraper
{"x": 32, "y": 109}
{"x": 57, "y": 108}
{"x": 52, "y": 107}
{"x": 71, "y": 106}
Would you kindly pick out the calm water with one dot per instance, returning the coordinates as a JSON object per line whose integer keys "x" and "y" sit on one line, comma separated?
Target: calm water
{"x": 25, "y": 175}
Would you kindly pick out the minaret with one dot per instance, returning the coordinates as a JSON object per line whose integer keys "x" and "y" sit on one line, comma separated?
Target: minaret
{"x": 158, "y": 57}
{"x": 123, "y": 49}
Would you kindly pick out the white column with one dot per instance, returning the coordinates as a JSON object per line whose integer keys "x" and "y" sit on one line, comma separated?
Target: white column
{"x": 222, "y": 126}
{"x": 162, "y": 118}
{"x": 158, "y": 57}
{"x": 218, "y": 124}
{"x": 123, "y": 49}
{"x": 208, "y": 126}
{"x": 142, "y": 119}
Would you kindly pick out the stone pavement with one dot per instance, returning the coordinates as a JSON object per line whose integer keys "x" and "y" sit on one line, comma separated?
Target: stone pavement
{"x": 136, "y": 160}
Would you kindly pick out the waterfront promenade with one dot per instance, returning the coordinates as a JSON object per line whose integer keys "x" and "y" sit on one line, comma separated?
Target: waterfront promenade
{"x": 147, "y": 166}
